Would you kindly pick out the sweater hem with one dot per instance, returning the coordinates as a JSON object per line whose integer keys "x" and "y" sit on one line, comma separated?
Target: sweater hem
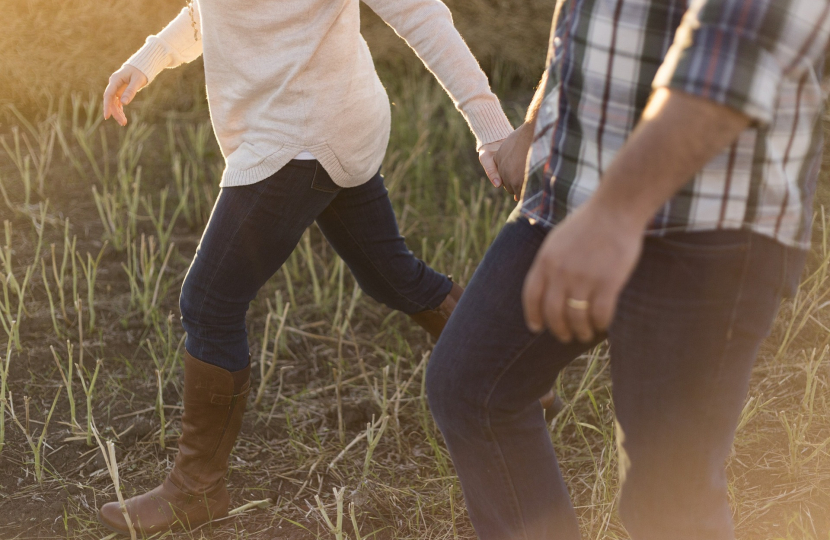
{"x": 233, "y": 177}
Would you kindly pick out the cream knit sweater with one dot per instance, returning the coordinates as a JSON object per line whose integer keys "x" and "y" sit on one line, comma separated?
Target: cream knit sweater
{"x": 294, "y": 75}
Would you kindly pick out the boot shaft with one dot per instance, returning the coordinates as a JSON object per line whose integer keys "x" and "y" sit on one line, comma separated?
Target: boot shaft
{"x": 214, "y": 404}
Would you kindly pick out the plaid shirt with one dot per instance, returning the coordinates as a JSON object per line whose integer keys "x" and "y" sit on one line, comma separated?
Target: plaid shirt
{"x": 764, "y": 58}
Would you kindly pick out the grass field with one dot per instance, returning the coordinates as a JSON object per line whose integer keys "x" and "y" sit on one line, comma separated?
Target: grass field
{"x": 99, "y": 226}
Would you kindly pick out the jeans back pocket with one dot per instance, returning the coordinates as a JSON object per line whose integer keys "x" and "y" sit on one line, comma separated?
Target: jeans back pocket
{"x": 322, "y": 181}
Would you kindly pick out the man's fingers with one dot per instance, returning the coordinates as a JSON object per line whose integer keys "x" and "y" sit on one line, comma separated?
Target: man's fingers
{"x": 553, "y": 307}
{"x": 603, "y": 307}
{"x": 532, "y": 292}
{"x": 578, "y": 315}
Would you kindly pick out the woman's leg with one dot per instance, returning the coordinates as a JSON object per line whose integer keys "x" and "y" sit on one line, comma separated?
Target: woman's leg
{"x": 251, "y": 232}
{"x": 360, "y": 224}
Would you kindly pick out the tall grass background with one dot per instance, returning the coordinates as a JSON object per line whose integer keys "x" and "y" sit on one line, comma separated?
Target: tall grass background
{"x": 50, "y": 47}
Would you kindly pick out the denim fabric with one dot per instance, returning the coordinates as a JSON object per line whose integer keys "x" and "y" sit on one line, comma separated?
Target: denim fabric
{"x": 252, "y": 231}
{"x": 683, "y": 342}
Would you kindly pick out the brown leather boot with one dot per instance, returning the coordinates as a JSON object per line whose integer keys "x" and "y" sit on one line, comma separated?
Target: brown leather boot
{"x": 194, "y": 492}
{"x": 552, "y": 404}
{"x": 434, "y": 321}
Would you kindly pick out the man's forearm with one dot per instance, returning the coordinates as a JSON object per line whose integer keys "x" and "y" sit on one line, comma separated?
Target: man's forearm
{"x": 677, "y": 136}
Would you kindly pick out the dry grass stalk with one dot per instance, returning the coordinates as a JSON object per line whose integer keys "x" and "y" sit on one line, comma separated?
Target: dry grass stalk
{"x": 89, "y": 390}
{"x": 36, "y": 446}
{"x": 265, "y": 376}
{"x": 66, "y": 376}
{"x": 108, "y": 452}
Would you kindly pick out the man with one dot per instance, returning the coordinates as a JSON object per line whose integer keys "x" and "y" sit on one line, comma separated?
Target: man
{"x": 675, "y": 240}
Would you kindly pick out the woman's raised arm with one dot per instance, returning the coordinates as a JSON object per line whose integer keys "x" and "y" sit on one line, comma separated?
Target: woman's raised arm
{"x": 427, "y": 27}
{"x": 178, "y": 43}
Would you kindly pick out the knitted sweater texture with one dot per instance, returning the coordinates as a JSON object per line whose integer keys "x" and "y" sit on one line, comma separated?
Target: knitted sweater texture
{"x": 296, "y": 75}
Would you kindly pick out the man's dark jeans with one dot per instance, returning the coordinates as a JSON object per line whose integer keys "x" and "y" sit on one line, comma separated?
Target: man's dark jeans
{"x": 686, "y": 332}
{"x": 252, "y": 231}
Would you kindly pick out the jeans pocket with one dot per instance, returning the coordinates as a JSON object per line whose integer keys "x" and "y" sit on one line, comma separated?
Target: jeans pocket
{"x": 322, "y": 181}
{"x": 704, "y": 242}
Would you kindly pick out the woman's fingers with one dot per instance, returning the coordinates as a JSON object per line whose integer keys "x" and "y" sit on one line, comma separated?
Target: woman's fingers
{"x": 112, "y": 103}
{"x": 487, "y": 156}
{"x": 135, "y": 85}
{"x": 123, "y": 85}
{"x": 490, "y": 168}
{"x": 109, "y": 96}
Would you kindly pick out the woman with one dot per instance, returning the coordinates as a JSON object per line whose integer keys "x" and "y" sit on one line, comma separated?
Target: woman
{"x": 303, "y": 122}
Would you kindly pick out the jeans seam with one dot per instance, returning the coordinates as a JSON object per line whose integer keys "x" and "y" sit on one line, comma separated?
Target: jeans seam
{"x": 486, "y": 422}
{"x": 226, "y": 250}
{"x": 733, "y": 317}
{"x": 372, "y": 263}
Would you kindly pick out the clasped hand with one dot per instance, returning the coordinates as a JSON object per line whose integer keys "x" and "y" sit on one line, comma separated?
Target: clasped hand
{"x": 504, "y": 161}
{"x": 575, "y": 281}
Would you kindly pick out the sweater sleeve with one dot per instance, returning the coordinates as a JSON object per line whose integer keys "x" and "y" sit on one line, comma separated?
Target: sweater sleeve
{"x": 178, "y": 43}
{"x": 427, "y": 27}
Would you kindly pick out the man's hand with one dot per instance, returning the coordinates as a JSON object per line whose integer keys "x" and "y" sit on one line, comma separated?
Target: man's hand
{"x": 583, "y": 264}
{"x": 123, "y": 85}
{"x": 512, "y": 157}
{"x": 580, "y": 270}
{"x": 486, "y": 156}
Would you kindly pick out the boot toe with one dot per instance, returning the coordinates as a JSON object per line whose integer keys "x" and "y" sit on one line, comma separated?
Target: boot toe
{"x": 111, "y": 517}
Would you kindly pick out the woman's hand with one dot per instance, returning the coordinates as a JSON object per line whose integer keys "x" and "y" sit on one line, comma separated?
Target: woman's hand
{"x": 123, "y": 85}
{"x": 487, "y": 156}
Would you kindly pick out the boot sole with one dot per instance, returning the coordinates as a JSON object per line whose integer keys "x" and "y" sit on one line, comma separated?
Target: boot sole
{"x": 177, "y": 526}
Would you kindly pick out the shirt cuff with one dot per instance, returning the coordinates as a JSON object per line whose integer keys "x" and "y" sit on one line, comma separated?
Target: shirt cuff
{"x": 488, "y": 122}
{"x": 151, "y": 59}
{"x": 720, "y": 65}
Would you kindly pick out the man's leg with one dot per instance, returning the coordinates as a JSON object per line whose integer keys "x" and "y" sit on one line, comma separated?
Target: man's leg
{"x": 484, "y": 380}
{"x": 683, "y": 343}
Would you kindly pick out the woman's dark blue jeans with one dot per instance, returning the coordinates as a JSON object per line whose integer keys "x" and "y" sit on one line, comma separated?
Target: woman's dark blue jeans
{"x": 683, "y": 341}
{"x": 252, "y": 231}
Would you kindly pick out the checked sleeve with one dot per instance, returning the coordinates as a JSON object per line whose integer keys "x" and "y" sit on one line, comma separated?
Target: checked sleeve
{"x": 738, "y": 52}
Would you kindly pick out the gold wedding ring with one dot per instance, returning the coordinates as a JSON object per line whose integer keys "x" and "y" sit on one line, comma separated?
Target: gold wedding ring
{"x": 581, "y": 305}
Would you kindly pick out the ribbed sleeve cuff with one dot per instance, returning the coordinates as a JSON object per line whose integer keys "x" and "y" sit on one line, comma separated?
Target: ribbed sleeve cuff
{"x": 151, "y": 59}
{"x": 724, "y": 67}
{"x": 488, "y": 122}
